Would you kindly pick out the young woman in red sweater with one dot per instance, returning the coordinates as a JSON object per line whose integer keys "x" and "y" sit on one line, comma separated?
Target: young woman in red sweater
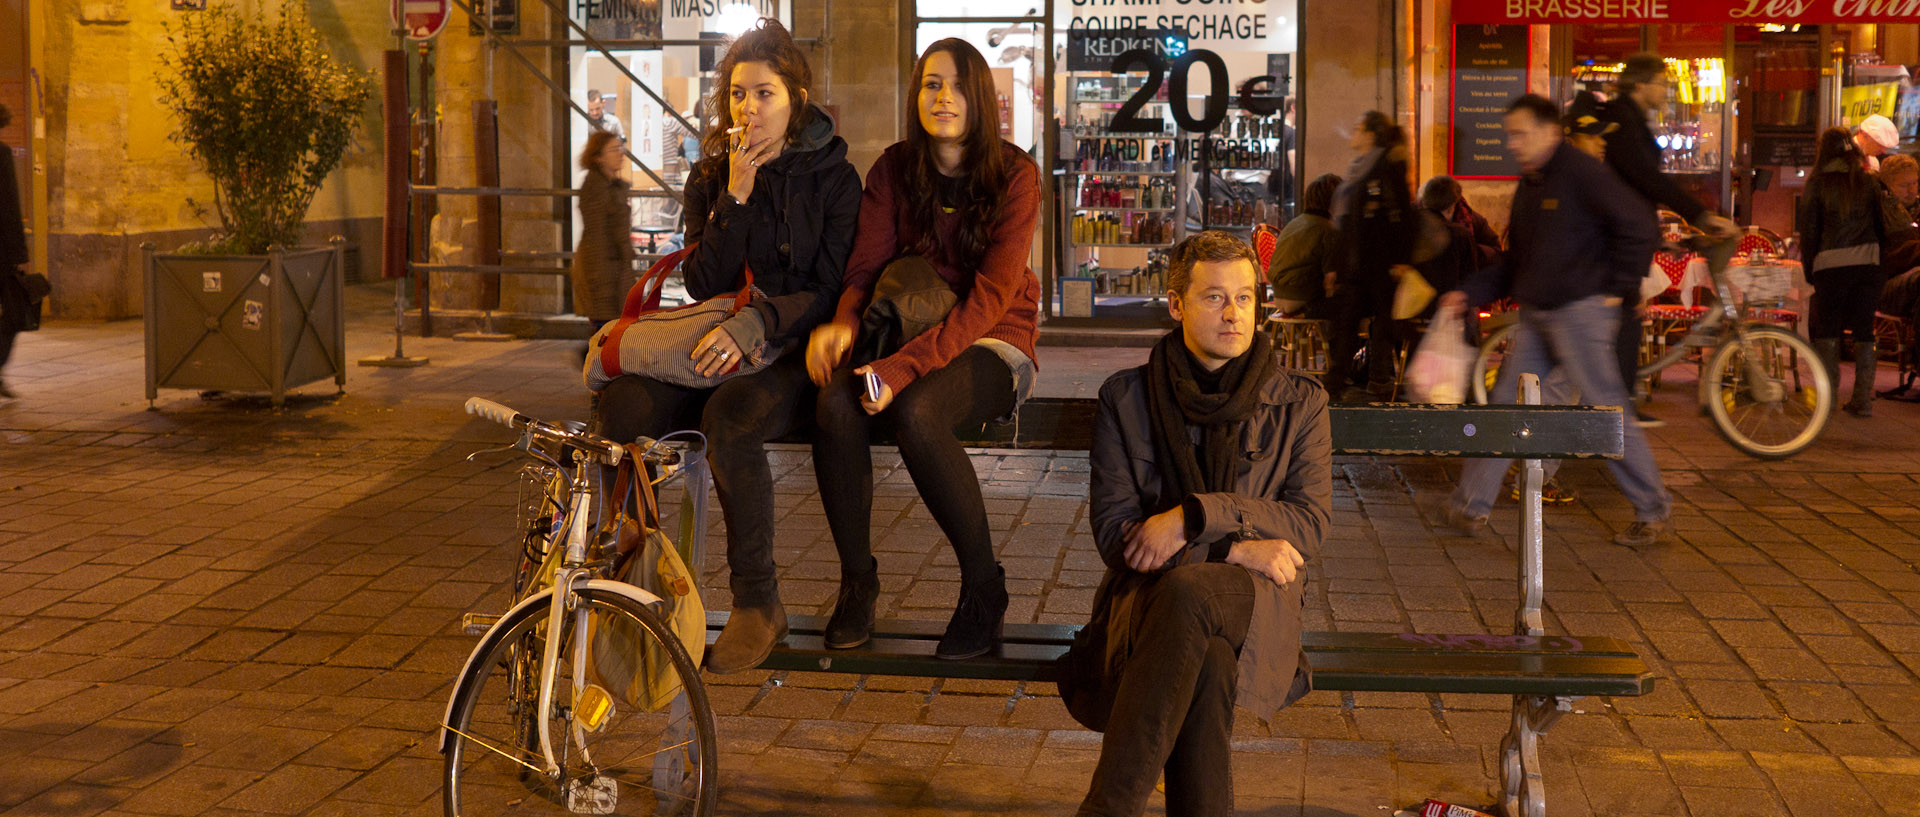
{"x": 958, "y": 198}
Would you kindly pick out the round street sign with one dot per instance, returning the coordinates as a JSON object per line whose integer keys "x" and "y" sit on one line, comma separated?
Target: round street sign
{"x": 422, "y": 19}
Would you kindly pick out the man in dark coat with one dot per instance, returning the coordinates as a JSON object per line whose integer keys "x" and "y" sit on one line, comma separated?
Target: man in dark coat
{"x": 13, "y": 254}
{"x": 1574, "y": 255}
{"x": 1635, "y": 157}
{"x": 1211, "y": 490}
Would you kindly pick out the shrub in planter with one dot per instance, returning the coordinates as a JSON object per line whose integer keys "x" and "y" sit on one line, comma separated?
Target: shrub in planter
{"x": 268, "y": 113}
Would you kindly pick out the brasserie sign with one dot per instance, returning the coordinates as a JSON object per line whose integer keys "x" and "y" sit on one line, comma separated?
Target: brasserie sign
{"x": 1644, "y": 12}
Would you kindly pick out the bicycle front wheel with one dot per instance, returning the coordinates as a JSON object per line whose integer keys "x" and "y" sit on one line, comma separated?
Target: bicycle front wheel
{"x": 617, "y": 760}
{"x": 1767, "y": 393}
{"x": 1486, "y": 365}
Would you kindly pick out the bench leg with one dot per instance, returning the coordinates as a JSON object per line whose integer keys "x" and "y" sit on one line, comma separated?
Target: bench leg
{"x": 1522, "y": 792}
{"x": 670, "y": 761}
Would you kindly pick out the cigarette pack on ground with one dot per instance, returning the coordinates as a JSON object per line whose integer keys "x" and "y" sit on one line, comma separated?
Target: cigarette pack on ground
{"x": 1435, "y": 808}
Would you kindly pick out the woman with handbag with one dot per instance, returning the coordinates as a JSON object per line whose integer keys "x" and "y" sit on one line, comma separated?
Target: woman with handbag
{"x": 603, "y": 262}
{"x": 956, "y": 200}
{"x": 775, "y": 199}
{"x": 1373, "y": 209}
{"x": 1841, "y": 233}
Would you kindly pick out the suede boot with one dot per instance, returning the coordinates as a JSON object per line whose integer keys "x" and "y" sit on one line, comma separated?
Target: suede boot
{"x": 1829, "y": 351}
{"x": 975, "y": 626}
{"x": 1865, "y": 364}
{"x": 748, "y": 638}
{"x": 852, "y": 622}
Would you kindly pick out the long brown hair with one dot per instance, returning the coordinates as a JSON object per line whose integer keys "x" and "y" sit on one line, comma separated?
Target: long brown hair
{"x": 983, "y": 158}
{"x": 1838, "y": 189}
{"x": 767, "y": 42}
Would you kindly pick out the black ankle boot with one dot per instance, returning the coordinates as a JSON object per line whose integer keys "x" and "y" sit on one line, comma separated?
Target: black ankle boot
{"x": 975, "y": 627}
{"x": 852, "y": 621}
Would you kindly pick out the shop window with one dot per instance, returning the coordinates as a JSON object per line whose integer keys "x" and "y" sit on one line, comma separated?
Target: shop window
{"x": 1877, "y": 64}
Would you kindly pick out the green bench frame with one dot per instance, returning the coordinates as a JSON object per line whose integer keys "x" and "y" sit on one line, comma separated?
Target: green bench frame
{"x": 1544, "y": 674}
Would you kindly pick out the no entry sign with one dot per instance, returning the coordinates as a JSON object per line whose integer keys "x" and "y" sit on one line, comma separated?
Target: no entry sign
{"x": 422, "y": 19}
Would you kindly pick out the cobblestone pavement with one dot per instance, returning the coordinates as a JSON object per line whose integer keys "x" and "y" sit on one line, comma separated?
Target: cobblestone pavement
{"x": 218, "y": 609}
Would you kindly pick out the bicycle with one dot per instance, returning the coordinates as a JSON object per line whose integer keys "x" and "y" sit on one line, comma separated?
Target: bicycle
{"x": 1763, "y": 386}
{"x": 525, "y": 730}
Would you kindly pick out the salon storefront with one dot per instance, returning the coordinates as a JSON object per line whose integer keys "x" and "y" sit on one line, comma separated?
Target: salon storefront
{"x": 1753, "y": 82}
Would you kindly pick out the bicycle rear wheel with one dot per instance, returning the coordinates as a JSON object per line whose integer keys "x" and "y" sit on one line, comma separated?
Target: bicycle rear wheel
{"x": 632, "y": 763}
{"x": 1767, "y": 393}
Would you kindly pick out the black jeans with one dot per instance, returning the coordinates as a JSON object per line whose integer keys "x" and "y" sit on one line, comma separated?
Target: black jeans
{"x": 971, "y": 389}
{"x": 1173, "y": 709}
{"x": 1347, "y": 307}
{"x": 1626, "y": 344}
{"x": 1844, "y": 299}
{"x": 739, "y": 416}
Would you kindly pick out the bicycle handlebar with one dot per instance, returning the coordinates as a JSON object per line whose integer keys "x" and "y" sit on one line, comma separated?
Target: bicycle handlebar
{"x": 490, "y": 410}
{"x": 599, "y": 448}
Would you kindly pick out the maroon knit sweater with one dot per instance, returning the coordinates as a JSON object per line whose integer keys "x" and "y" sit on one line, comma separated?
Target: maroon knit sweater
{"x": 999, "y": 300}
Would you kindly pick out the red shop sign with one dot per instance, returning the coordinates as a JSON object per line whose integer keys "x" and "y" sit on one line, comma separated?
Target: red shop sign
{"x": 1650, "y": 12}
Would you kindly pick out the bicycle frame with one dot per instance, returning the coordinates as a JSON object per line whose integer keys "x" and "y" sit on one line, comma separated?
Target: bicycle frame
{"x": 574, "y": 572}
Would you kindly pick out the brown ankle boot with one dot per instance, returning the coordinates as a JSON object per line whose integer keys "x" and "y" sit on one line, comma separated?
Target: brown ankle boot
{"x": 748, "y": 638}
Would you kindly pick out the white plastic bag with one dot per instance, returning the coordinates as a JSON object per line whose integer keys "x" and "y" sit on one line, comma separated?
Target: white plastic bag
{"x": 1440, "y": 367}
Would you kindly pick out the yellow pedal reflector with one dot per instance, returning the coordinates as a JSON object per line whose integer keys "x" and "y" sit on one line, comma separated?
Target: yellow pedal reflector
{"x": 594, "y": 708}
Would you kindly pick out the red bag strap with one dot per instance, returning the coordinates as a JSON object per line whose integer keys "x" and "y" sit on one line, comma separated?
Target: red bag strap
{"x": 644, "y": 298}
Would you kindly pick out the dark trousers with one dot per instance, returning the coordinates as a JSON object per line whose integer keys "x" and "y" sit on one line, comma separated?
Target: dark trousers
{"x": 1844, "y": 299}
{"x": 1626, "y": 344}
{"x": 1173, "y": 708}
{"x": 1348, "y": 306}
{"x": 971, "y": 389}
{"x": 6, "y": 346}
{"x": 739, "y": 416}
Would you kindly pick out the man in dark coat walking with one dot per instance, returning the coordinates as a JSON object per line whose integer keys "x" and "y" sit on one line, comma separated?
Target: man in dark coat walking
{"x": 1574, "y": 255}
{"x": 1211, "y": 490}
{"x": 1635, "y": 157}
{"x": 13, "y": 254}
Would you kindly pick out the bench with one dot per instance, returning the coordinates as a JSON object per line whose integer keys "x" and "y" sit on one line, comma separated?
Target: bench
{"x": 1544, "y": 673}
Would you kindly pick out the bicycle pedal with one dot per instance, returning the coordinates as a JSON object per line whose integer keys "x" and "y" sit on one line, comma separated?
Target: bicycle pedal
{"x": 477, "y": 623}
{"x": 593, "y": 795}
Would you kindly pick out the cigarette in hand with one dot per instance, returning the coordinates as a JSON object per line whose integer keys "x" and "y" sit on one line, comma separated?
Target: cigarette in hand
{"x": 736, "y": 129}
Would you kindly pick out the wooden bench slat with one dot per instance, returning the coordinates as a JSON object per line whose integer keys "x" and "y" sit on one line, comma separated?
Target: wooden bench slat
{"x": 1538, "y": 432}
{"x": 1386, "y": 429}
{"x": 1389, "y": 662}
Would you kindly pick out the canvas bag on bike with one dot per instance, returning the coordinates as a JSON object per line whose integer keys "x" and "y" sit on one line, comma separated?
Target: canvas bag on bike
{"x": 629, "y": 665}
{"x": 658, "y": 343}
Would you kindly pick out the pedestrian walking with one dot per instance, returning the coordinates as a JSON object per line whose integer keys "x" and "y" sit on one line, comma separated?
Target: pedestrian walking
{"x": 1373, "y": 210}
{"x": 603, "y": 259}
{"x": 1633, "y": 153}
{"x": 1575, "y": 252}
{"x": 14, "y": 302}
{"x": 1841, "y": 231}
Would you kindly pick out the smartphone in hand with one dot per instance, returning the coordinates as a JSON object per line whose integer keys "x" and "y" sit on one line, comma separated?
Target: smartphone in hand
{"x": 873, "y": 387}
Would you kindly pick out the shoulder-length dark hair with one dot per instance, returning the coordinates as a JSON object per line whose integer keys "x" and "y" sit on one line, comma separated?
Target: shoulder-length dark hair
{"x": 767, "y": 42}
{"x": 1837, "y": 189}
{"x": 983, "y": 161}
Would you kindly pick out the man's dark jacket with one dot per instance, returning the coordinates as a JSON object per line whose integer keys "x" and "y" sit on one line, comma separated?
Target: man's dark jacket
{"x": 1633, "y": 154}
{"x": 1577, "y": 230}
{"x": 1283, "y": 489}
